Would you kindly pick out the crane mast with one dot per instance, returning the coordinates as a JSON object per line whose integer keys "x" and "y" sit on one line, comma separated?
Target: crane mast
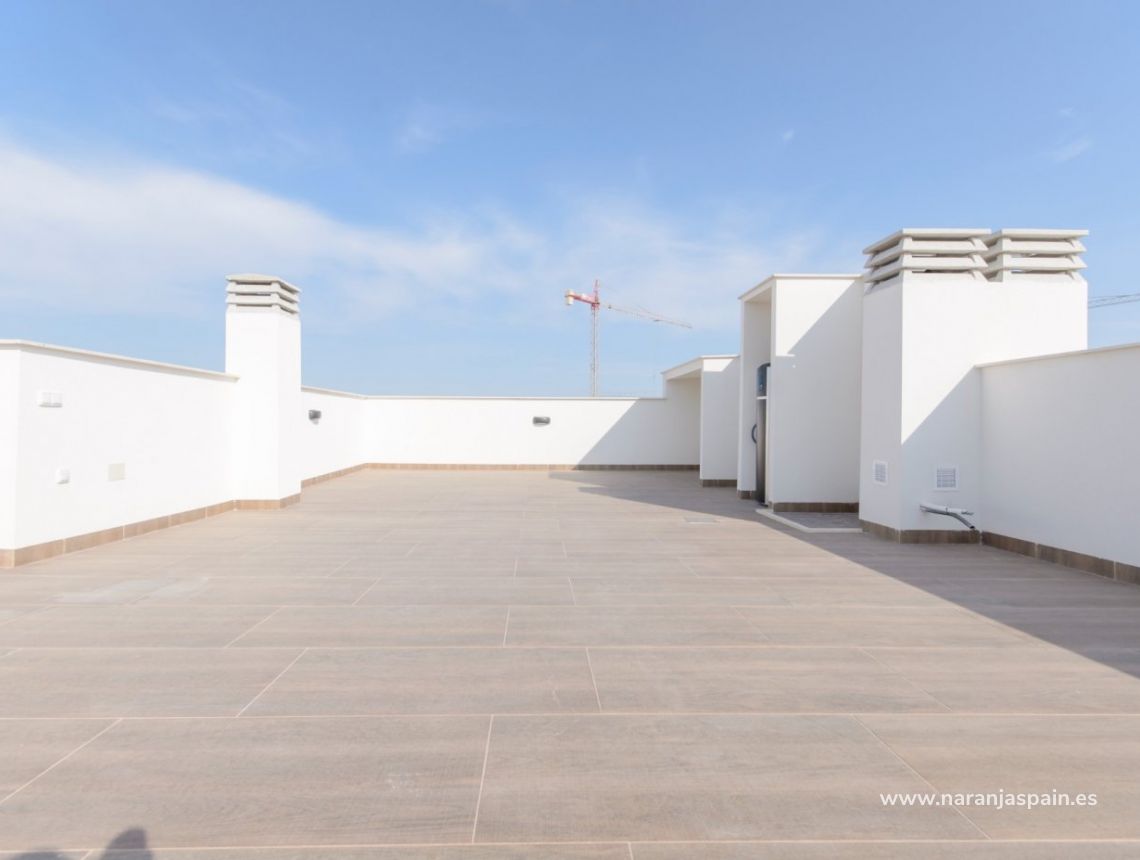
{"x": 595, "y": 303}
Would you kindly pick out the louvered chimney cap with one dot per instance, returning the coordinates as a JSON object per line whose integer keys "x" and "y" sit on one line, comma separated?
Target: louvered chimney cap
{"x": 262, "y": 292}
{"x": 938, "y": 250}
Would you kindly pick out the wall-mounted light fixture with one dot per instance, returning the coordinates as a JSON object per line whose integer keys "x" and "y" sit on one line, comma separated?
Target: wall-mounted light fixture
{"x": 314, "y": 415}
{"x": 540, "y": 420}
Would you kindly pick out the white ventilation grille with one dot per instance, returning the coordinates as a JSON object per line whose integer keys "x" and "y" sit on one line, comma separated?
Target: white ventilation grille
{"x": 879, "y": 472}
{"x": 1010, "y": 253}
{"x": 262, "y": 292}
{"x": 926, "y": 249}
{"x": 946, "y": 478}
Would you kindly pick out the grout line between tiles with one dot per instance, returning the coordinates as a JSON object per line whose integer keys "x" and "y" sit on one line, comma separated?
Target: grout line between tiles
{"x": 277, "y": 678}
{"x": 52, "y": 767}
{"x": 356, "y": 602}
{"x": 908, "y": 766}
{"x": 253, "y": 627}
{"x": 339, "y": 568}
{"x": 593, "y": 680}
{"x": 904, "y": 678}
{"x": 482, "y": 778}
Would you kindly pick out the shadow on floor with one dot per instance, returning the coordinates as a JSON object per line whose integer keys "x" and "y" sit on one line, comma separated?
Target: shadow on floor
{"x": 129, "y": 845}
{"x": 1092, "y": 616}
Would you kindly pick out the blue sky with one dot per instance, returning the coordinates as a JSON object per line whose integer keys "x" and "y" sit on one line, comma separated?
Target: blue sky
{"x": 435, "y": 175}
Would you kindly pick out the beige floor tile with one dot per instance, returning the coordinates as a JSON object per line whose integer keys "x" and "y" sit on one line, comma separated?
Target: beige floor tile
{"x": 433, "y": 681}
{"x": 864, "y": 626}
{"x": 469, "y": 591}
{"x": 673, "y": 591}
{"x": 1024, "y": 754}
{"x": 120, "y": 682}
{"x": 548, "y": 851}
{"x": 267, "y": 591}
{"x": 130, "y": 626}
{"x": 700, "y": 618}
{"x": 1030, "y": 679}
{"x": 1077, "y": 628}
{"x": 29, "y": 747}
{"x": 261, "y": 782}
{"x": 696, "y": 778}
{"x": 629, "y": 625}
{"x": 21, "y": 588}
{"x": 359, "y": 626}
{"x": 402, "y": 568}
{"x": 838, "y": 591}
{"x": 752, "y": 680}
{"x": 962, "y": 850}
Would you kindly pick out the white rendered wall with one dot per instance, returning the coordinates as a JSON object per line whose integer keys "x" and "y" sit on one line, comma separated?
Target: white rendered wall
{"x": 881, "y": 410}
{"x": 925, "y": 375}
{"x": 814, "y": 390}
{"x": 168, "y": 428}
{"x": 9, "y": 452}
{"x": 337, "y": 440}
{"x": 720, "y": 418}
{"x": 1059, "y": 451}
{"x": 755, "y": 349}
{"x": 263, "y": 349}
{"x": 485, "y": 430}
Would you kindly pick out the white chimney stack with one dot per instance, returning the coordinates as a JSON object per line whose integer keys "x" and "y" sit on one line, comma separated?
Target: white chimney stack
{"x": 263, "y": 349}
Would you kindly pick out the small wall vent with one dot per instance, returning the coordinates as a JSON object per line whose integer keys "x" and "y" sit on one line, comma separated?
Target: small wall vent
{"x": 946, "y": 478}
{"x": 879, "y": 472}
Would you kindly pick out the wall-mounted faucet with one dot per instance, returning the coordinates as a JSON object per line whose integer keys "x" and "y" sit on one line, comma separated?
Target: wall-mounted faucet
{"x": 959, "y": 514}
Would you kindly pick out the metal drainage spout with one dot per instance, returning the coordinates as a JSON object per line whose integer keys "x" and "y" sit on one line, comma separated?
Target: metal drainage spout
{"x": 959, "y": 514}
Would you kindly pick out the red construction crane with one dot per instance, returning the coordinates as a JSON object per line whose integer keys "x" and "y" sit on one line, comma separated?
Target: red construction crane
{"x": 596, "y": 304}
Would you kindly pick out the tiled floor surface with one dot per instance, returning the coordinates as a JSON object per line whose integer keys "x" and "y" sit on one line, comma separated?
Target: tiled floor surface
{"x": 575, "y": 666}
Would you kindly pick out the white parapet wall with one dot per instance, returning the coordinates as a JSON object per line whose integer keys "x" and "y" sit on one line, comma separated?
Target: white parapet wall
{"x": 487, "y": 431}
{"x": 1060, "y": 461}
{"x": 335, "y": 432}
{"x": 717, "y": 381}
{"x": 91, "y": 442}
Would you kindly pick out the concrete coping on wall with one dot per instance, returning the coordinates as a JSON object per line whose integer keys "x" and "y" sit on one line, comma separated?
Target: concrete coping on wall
{"x": 530, "y": 397}
{"x": 692, "y": 367}
{"x": 766, "y": 284}
{"x": 110, "y": 358}
{"x": 1076, "y": 353}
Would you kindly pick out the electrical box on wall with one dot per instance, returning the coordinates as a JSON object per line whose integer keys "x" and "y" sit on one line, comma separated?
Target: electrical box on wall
{"x": 63, "y": 476}
{"x": 116, "y": 471}
{"x": 51, "y": 399}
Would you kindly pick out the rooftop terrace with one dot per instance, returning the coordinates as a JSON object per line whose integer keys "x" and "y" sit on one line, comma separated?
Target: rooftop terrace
{"x": 556, "y": 665}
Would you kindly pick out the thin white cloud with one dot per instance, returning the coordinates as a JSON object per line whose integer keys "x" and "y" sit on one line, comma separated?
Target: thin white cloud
{"x": 788, "y": 135}
{"x": 428, "y": 126}
{"x": 1070, "y": 150}
{"x": 100, "y": 237}
{"x": 242, "y": 120}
